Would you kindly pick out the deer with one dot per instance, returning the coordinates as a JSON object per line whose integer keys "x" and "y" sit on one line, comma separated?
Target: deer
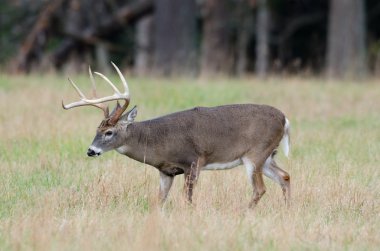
{"x": 194, "y": 140}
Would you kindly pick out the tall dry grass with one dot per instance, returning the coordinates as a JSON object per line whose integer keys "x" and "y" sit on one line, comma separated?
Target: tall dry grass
{"x": 52, "y": 197}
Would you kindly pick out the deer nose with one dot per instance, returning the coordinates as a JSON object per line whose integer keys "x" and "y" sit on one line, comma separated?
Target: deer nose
{"x": 90, "y": 152}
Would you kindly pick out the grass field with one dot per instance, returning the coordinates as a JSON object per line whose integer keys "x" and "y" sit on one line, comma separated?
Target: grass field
{"x": 53, "y": 197}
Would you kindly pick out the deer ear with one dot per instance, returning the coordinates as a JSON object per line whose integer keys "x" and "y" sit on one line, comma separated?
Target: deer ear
{"x": 130, "y": 115}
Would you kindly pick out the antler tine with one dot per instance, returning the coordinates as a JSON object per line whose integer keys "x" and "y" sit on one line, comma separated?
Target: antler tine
{"x": 125, "y": 84}
{"x": 109, "y": 82}
{"x": 119, "y": 111}
{"x": 77, "y": 89}
{"x": 92, "y": 82}
{"x": 102, "y": 106}
{"x": 78, "y": 103}
{"x": 104, "y": 109}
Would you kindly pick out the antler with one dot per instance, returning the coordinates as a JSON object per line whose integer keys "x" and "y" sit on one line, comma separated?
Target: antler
{"x": 98, "y": 102}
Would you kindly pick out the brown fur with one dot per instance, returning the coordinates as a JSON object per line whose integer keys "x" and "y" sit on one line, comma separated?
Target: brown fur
{"x": 217, "y": 134}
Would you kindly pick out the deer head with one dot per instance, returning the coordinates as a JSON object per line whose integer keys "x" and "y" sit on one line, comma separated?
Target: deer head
{"x": 109, "y": 134}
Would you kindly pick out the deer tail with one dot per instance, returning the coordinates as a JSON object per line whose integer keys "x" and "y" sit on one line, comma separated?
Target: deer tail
{"x": 285, "y": 141}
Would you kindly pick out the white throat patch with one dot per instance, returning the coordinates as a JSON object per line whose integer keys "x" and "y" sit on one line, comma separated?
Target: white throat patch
{"x": 122, "y": 149}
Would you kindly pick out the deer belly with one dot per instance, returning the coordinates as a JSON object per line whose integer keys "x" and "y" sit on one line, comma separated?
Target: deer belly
{"x": 223, "y": 166}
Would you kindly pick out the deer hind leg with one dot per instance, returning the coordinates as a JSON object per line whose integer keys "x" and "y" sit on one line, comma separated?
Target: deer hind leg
{"x": 274, "y": 172}
{"x": 254, "y": 171}
{"x": 166, "y": 182}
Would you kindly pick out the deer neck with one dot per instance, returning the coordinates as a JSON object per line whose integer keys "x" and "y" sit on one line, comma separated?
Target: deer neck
{"x": 136, "y": 142}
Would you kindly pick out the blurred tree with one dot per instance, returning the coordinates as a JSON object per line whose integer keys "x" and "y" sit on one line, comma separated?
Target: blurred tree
{"x": 16, "y": 19}
{"x": 373, "y": 35}
{"x": 346, "y": 39}
{"x": 79, "y": 32}
{"x": 31, "y": 50}
{"x": 297, "y": 38}
{"x": 174, "y": 37}
{"x": 262, "y": 41}
{"x": 217, "y": 52}
{"x": 144, "y": 45}
{"x": 245, "y": 30}
{"x": 171, "y": 37}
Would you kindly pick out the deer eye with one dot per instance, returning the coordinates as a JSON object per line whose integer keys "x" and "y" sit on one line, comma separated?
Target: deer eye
{"x": 108, "y": 133}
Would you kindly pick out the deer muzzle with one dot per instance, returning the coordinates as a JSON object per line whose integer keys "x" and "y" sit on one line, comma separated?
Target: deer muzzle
{"x": 93, "y": 151}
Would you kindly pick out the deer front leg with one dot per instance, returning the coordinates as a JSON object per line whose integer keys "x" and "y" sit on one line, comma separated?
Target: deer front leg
{"x": 258, "y": 188}
{"x": 191, "y": 178}
{"x": 166, "y": 182}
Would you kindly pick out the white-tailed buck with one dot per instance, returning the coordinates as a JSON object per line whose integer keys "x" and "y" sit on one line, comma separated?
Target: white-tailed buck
{"x": 190, "y": 141}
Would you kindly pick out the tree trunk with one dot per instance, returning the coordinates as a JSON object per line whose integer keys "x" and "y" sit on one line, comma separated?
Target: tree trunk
{"x": 102, "y": 58}
{"x": 75, "y": 23}
{"x": 144, "y": 46}
{"x": 245, "y": 30}
{"x": 174, "y": 37}
{"x": 262, "y": 41}
{"x": 217, "y": 42}
{"x": 98, "y": 12}
{"x": 377, "y": 65}
{"x": 346, "y": 56}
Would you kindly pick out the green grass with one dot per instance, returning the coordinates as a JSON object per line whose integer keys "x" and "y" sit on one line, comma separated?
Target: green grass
{"x": 52, "y": 197}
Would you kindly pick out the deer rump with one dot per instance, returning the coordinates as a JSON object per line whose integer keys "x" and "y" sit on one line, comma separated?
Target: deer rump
{"x": 209, "y": 138}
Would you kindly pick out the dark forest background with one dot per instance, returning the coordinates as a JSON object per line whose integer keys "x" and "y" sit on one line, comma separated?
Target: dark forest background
{"x": 337, "y": 38}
